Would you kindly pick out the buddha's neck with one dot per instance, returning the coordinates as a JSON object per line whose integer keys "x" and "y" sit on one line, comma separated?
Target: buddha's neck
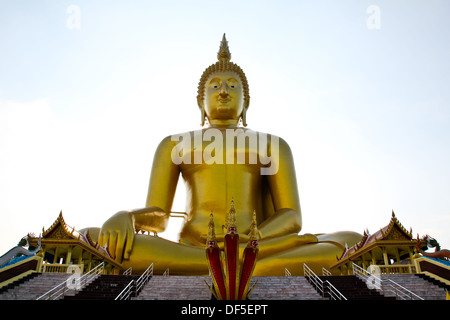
{"x": 229, "y": 123}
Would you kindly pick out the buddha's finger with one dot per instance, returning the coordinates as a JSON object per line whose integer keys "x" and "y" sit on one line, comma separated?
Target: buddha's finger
{"x": 112, "y": 243}
{"x": 102, "y": 239}
{"x": 119, "y": 246}
{"x": 129, "y": 245}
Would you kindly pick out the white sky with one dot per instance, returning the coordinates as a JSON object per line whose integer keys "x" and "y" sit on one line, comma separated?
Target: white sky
{"x": 365, "y": 111}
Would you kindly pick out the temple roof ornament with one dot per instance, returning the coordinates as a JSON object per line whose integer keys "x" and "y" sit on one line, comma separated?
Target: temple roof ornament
{"x": 393, "y": 233}
{"x": 60, "y": 230}
{"x": 60, "y": 233}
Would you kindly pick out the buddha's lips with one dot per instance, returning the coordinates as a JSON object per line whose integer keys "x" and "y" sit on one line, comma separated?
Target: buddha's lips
{"x": 224, "y": 101}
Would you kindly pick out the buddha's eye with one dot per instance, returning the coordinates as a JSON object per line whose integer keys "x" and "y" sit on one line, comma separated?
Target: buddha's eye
{"x": 232, "y": 84}
{"x": 215, "y": 85}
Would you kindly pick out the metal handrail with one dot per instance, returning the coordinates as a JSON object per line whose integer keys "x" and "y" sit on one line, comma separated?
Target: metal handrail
{"x": 93, "y": 273}
{"x": 365, "y": 276}
{"x": 54, "y": 292}
{"x": 125, "y": 294}
{"x": 143, "y": 279}
{"x": 313, "y": 279}
{"x": 334, "y": 293}
{"x": 400, "y": 292}
{"x": 323, "y": 287}
{"x": 128, "y": 271}
{"x": 385, "y": 286}
{"x": 325, "y": 272}
{"x": 60, "y": 290}
{"x": 178, "y": 214}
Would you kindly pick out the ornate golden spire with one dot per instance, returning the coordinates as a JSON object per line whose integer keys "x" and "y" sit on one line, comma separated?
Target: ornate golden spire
{"x": 211, "y": 238}
{"x": 253, "y": 235}
{"x": 224, "y": 53}
{"x": 230, "y": 221}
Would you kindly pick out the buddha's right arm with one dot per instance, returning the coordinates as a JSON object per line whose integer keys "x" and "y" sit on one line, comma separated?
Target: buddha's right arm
{"x": 118, "y": 231}
{"x": 161, "y": 190}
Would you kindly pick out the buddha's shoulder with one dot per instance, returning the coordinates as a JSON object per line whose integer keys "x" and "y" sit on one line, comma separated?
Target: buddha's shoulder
{"x": 174, "y": 139}
{"x": 271, "y": 139}
{"x": 177, "y": 136}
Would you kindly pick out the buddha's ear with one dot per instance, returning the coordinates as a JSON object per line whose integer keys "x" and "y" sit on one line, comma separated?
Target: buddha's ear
{"x": 202, "y": 115}
{"x": 201, "y": 106}
{"x": 244, "y": 116}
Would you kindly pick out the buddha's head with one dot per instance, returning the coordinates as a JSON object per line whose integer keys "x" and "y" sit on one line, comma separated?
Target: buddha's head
{"x": 223, "y": 92}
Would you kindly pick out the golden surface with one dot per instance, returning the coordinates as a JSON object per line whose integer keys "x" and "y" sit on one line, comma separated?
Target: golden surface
{"x": 215, "y": 170}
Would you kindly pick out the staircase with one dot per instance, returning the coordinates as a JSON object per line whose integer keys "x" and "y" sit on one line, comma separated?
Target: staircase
{"x": 418, "y": 284}
{"x": 194, "y": 288}
{"x": 283, "y": 288}
{"x": 176, "y": 288}
{"x": 353, "y": 288}
{"x": 104, "y": 287}
{"x": 107, "y": 287}
{"x": 32, "y": 286}
{"x": 434, "y": 281}
{"x": 27, "y": 276}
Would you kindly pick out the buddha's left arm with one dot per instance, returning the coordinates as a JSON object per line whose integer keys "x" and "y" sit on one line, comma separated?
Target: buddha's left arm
{"x": 286, "y": 218}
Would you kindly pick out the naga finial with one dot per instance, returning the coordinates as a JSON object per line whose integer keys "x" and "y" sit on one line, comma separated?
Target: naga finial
{"x": 224, "y": 53}
{"x": 253, "y": 235}
{"x": 211, "y": 238}
{"x": 230, "y": 222}
{"x": 253, "y": 228}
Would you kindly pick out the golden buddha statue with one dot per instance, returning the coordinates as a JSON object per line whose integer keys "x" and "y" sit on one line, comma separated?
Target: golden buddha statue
{"x": 218, "y": 165}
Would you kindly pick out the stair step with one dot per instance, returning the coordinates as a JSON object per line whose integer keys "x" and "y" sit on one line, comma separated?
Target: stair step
{"x": 353, "y": 288}
{"x": 34, "y": 287}
{"x": 283, "y": 288}
{"x": 428, "y": 290}
{"x": 104, "y": 287}
{"x": 176, "y": 288}
{"x": 194, "y": 288}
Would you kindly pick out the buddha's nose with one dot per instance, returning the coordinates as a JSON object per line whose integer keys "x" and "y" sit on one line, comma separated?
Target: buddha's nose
{"x": 224, "y": 90}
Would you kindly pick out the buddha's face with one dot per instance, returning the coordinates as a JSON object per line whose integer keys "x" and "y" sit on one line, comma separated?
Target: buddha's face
{"x": 223, "y": 96}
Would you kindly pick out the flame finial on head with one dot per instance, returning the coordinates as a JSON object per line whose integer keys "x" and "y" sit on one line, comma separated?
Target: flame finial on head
{"x": 224, "y": 53}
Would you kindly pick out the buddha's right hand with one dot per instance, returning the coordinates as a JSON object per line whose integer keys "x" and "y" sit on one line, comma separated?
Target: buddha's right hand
{"x": 118, "y": 234}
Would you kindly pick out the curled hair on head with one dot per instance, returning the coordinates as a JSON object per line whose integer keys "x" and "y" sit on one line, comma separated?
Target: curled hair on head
{"x": 224, "y": 64}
